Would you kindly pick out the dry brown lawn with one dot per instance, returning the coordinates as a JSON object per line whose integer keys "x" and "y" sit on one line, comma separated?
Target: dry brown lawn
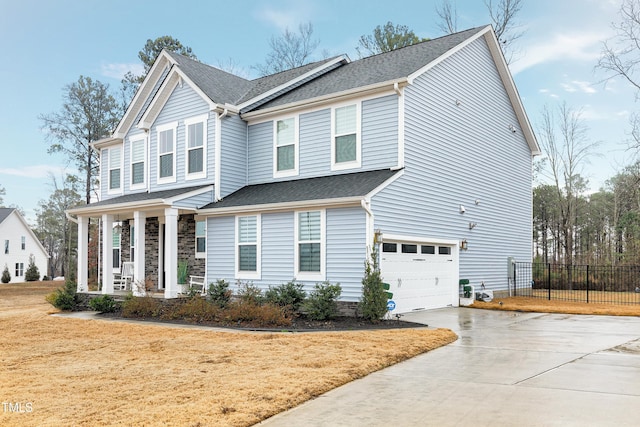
{"x": 65, "y": 371}
{"x": 530, "y": 304}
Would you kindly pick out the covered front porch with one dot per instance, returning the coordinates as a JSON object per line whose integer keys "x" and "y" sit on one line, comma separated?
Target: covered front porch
{"x": 154, "y": 233}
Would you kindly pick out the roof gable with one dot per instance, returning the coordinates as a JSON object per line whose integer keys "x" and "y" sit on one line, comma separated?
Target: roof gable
{"x": 6, "y": 212}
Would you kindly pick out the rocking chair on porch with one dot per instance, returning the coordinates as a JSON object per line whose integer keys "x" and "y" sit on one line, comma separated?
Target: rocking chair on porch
{"x": 123, "y": 280}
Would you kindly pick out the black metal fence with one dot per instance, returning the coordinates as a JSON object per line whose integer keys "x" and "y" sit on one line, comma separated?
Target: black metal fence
{"x": 583, "y": 283}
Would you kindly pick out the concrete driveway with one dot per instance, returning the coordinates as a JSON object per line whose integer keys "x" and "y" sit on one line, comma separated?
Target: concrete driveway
{"x": 506, "y": 369}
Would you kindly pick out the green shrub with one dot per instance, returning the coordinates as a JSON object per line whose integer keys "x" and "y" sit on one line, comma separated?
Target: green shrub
{"x": 289, "y": 295}
{"x": 373, "y": 304}
{"x": 248, "y": 293}
{"x": 64, "y": 298}
{"x": 103, "y": 304}
{"x": 45, "y": 278}
{"x": 218, "y": 293}
{"x": 321, "y": 303}
{"x": 146, "y": 306}
{"x": 6, "y": 276}
{"x": 32, "y": 274}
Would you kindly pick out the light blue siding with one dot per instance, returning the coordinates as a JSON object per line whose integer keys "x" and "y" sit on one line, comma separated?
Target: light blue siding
{"x": 380, "y": 133}
{"x": 379, "y": 142}
{"x": 183, "y": 103}
{"x": 195, "y": 202}
{"x": 346, "y": 250}
{"x": 220, "y": 248}
{"x": 457, "y": 155}
{"x": 233, "y": 159}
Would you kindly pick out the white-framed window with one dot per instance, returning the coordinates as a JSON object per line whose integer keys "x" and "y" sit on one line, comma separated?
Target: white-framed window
{"x": 116, "y": 248}
{"x": 201, "y": 239}
{"x": 138, "y": 170}
{"x": 345, "y": 139}
{"x": 248, "y": 247}
{"x": 196, "y": 147}
{"x": 310, "y": 245}
{"x": 132, "y": 242}
{"x": 23, "y": 242}
{"x": 285, "y": 147}
{"x": 115, "y": 169}
{"x": 19, "y": 269}
{"x": 167, "y": 153}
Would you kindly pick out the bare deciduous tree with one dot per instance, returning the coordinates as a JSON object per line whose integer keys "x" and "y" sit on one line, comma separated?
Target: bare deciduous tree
{"x": 448, "y": 14}
{"x": 289, "y": 50}
{"x": 503, "y": 17}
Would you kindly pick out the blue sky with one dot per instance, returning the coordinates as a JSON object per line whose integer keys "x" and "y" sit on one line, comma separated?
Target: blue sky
{"x": 48, "y": 45}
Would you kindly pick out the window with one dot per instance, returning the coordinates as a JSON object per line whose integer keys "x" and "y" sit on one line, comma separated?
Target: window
{"x": 115, "y": 161}
{"x": 196, "y": 134}
{"x": 428, "y": 249}
{"x": 389, "y": 247}
{"x": 23, "y": 242}
{"x": 285, "y": 156}
{"x": 137, "y": 163}
{"x": 345, "y": 147}
{"x": 444, "y": 250}
{"x": 19, "y": 269}
{"x": 248, "y": 246}
{"x": 201, "y": 239}
{"x": 116, "y": 249}
{"x": 310, "y": 244}
{"x": 166, "y": 153}
{"x": 6, "y": 246}
{"x": 132, "y": 242}
{"x": 409, "y": 249}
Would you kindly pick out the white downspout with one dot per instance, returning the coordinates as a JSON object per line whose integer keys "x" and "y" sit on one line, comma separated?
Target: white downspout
{"x": 218, "y": 153}
{"x": 366, "y": 205}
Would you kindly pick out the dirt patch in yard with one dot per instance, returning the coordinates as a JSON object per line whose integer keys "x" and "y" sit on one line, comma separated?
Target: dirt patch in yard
{"x": 64, "y": 371}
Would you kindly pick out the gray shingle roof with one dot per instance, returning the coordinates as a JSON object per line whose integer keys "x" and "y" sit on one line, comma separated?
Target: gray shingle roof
{"x": 141, "y": 197}
{"x": 4, "y": 213}
{"x": 328, "y": 187}
{"x": 379, "y": 68}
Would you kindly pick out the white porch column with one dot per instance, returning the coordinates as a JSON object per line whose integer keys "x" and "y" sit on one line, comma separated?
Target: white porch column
{"x": 139, "y": 219}
{"x": 171, "y": 253}
{"x": 107, "y": 254}
{"x": 83, "y": 254}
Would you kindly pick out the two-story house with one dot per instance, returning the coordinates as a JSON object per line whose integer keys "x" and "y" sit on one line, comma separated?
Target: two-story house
{"x": 19, "y": 244}
{"x": 425, "y": 151}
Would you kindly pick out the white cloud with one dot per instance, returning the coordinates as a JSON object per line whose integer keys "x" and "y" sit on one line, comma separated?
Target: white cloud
{"x": 35, "y": 171}
{"x": 117, "y": 71}
{"x": 583, "y": 47}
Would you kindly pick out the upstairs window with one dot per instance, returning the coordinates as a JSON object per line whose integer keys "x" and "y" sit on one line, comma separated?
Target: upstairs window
{"x": 310, "y": 244}
{"x": 248, "y": 246}
{"x": 196, "y": 134}
{"x": 345, "y": 147}
{"x": 115, "y": 164}
{"x": 201, "y": 239}
{"x": 23, "y": 242}
{"x": 6, "y": 247}
{"x": 166, "y": 153}
{"x": 285, "y": 147}
{"x": 137, "y": 163}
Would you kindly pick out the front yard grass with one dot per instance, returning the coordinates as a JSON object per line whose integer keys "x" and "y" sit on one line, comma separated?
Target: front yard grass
{"x": 87, "y": 373}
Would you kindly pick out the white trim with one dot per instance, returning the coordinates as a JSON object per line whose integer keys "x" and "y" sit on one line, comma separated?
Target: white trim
{"x": 201, "y": 255}
{"x": 296, "y": 148}
{"x": 308, "y": 275}
{"x": 401, "y": 124}
{"x": 203, "y": 118}
{"x": 389, "y": 237}
{"x": 143, "y": 184}
{"x": 217, "y": 154}
{"x": 248, "y": 275}
{"x": 357, "y": 163}
{"x": 117, "y": 190}
{"x": 164, "y": 128}
{"x": 289, "y": 83}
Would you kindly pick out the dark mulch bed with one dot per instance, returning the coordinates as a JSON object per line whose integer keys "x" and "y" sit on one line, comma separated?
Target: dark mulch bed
{"x": 298, "y": 324}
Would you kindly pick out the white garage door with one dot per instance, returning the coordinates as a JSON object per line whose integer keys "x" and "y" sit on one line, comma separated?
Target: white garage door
{"x": 421, "y": 275}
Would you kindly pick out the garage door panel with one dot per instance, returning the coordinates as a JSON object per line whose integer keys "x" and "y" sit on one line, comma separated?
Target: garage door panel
{"x": 419, "y": 281}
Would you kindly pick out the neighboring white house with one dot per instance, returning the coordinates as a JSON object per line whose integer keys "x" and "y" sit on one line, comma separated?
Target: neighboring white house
{"x": 18, "y": 243}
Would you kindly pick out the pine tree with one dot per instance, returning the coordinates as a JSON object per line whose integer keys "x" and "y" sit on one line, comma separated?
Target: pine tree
{"x": 373, "y": 305}
{"x": 6, "y": 276}
{"x": 32, "y": 274}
